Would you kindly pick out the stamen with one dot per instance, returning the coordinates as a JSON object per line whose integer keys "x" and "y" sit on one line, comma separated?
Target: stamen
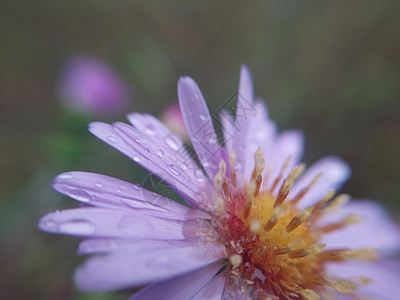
{"x": 321, "y": 203}
{"x": 285, "y": 188}
{"x": 310, "y": 294}
{"x": 298, "y": 220}
{"x": 338, "y": 255}
{"x": 338, "y": 202}
{"x": 236, "y": 259}
{"x": 220, "y": 204}
{"x": 222, "y": 167}
{"x": 306, "y": 189}
{"x": 218, "y": 178}
{"x": 258, "y": 161}
{"x": 352, "y": 219}
{"x": 255, "y": 226}
{"x": 251, "y": 188}
{"x": 260, "y": 164}
{"x": 279, "y": 177}
{"x": 232, "y": 162}
{"x": 344, "y": 286}
{"x": 276, "y": 214}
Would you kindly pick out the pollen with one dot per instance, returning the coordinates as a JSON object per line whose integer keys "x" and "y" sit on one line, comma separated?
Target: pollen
{"x": 273, "y": 248}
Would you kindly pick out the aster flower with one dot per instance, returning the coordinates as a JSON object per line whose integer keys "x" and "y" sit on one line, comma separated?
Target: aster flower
{"x": 260, "y": 225}
{"x": 90, "y": 86}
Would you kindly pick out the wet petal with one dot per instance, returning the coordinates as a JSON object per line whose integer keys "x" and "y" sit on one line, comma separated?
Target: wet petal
{"x": 122, "y": 269}
{"x": 334, "y": 172}
{"x": 98, "y": 222}
{"x": 144, "y": 151}
{"x": 376, "y": 229}
{"x": 181, "y": 287}
{"x": 245, "y": 114}
{"x": 103, "y": 191}
{"x": 199, "y": 125}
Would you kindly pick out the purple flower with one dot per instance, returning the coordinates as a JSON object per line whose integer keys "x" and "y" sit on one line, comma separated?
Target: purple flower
{"x": 260, "y": 226}
{"x": 90, "y": 86}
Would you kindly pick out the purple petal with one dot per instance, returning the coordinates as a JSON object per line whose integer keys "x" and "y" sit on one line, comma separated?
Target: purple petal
{"x": 103, "y": 191}
{"x": 213, "y": 290}
{"x": 98, "y": 222}
{"x": 149, "y": 154}
{"x": 199, "y": 125}
{"x": 385, "y": 276}
{"x": 107, "y": 245}
{"x": 288, "y": 144}
{"x": 122, "y": 269}
{"x": 181, "y": 287}
{"x": 245, "y": 114}
{"x": 334, "y": 173}
{"x": 376, "y": 230}
{"x": 228, "y": 128}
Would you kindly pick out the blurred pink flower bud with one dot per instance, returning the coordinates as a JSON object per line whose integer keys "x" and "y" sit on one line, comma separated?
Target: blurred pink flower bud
{"x": 172, "y": 117}
{"x": 90, "y": 86}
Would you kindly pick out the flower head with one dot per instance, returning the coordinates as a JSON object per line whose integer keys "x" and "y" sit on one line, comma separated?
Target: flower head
{"x": 260, "y": 225}
{"x": 90, "y": 86}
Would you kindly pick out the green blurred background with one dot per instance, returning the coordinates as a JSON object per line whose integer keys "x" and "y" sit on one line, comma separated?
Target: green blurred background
{"x": 331, "y": 69}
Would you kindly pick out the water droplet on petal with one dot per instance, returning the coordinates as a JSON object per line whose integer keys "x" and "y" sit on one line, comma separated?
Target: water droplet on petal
{"x": 122, "y": 188}
{"x": 150, "y": 129}
{"x": 98, "y": 184}
{"x": 111, "y": 139}
{"x": 172, "y": 140}
{"x": 174, "y": 169}
{"x": 80, "y": 195}
{"x": 134, "y": 186}
{"x": 136, "y": 158}
{"x": 138, "y": 139}
{"x": 79, "y": 227}
{"x": 160, "y": 153}
{"x": 203, "y": 116}
{"x": 65, "y": 176}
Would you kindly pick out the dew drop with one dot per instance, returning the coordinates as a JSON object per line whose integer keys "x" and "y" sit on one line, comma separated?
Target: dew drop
{"x": 203, "y": 116}
{"x": 79, "y": 227}
{"x": 172, "y": 140}
{"x": 122, "y": 188}
{"x": 136, "y": 158}
{"x": 80, "y": 195}
{"x": 65, "y": 176}
{"x": 134, "y": 186}
{"x": 150, "y": 129}
{"x": 98, "y": 184}
{"x": 111, "y": 139}
{"x": 139, "y": 139}
{"x": 174, "y": 169}
{"x": 160, "y": 153}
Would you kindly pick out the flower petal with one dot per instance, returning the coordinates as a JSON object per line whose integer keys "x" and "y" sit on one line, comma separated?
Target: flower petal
{"x": 145, "y": 152}
{"x": 199, "y": 125}
{"x": 245, "y": 114}
{"x": 385, "y": 276}
{"x": 103, "y": 191}
{"x": 122, "y": 269}
{"x": 181, "y": 287}
{"x": 334, "y": 172}
{"x": 213, "y": 290}
{"x": 98, "y": 222}
{"x": 376, "y": 229}
{"x": 289, "y": 143}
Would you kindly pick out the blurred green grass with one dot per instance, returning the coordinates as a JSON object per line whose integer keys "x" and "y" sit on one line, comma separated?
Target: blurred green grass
{"x": 328, "y": 68}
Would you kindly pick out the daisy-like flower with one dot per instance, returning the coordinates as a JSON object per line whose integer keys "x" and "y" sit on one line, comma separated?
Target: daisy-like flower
{"x": 260, "y": 225}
